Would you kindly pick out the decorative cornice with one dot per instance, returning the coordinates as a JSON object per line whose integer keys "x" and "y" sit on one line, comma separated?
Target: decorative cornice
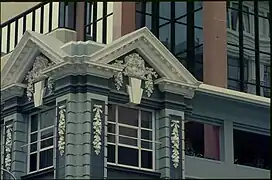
{"x": 97, "y": 128}
{"x": 8, "y": 147}
{"x": 175, "y": 142}
{"x": 85, "y": 68}
{"x": 185, "y": 89}
{"x": 13, "y": 90}
{"x": 61, "y": 129}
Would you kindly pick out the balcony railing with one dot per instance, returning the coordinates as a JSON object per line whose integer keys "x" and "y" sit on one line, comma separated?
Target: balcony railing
{"x": 47, "y": 16}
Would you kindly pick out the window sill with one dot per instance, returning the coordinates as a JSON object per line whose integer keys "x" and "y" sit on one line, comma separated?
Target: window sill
{"x": 38, "y": 174}
{"x": 135, "y": 171}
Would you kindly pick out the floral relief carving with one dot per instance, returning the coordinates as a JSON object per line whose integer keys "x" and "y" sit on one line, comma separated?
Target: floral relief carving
{"x": 175, "y": 142}
{"x": 97, "y": 128}
{"x": 134, "y": 66}
{"x": 61, "y": 130}
{"x": 40, "y": 63}
{"x": 8, "y": 147}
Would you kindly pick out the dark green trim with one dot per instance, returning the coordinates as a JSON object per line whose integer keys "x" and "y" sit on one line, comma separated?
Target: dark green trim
{"x": 39, "y": 174}
{"x": 257, "y": 48}
{"x": 155, "y": 175}
{"x": 241, "y": 46}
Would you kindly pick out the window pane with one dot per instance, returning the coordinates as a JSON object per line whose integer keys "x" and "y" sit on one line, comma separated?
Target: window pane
{"x": 111, "y": 128}
{"x": 47, "y": 119}
{"x": 127, "y": 131}
{"x": 34, "y": 123}
{"x": 165, "y": 34}
{"x": 146, "y": 134}
{"x": 128, "y": 156}
{"x": 46, "y": 158}
{"x": 234, "y": 19}
{"x": 165, "y": 9}
{"x": 128, "y": 116}
{"x": 33, "y": 147}
{"x": 47, "y": 133}
{"x": 33, "y": 137}
{"x": 146, "y": 145}
{"x": 180, "y": 9}
{"x": 47, "y": 143}
{"x": 33, "y": 162}
{"x": 198, "y": 36}
{"x": 111, "y": 112}
{"x": 111, "y": 153}
{"x": 111, "y": 138}
{"x": 198, "y": 18}
{"x": 148, "y": 21}
{"x": 128, "y": 141}
{"x": 180, "y": 38}
{"x": 146, "y": 119}
{"x": 146, "y": 159}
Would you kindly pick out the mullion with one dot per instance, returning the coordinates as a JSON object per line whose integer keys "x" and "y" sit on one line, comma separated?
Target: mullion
{"x": 143, "y": 8}
{"x": 270, "y": 30}
{"x": 172, "y": 35}
{"x": 257, "y": 48}
{"x": 241, "y": 45}
{"x": 155, "y": 19}
{"x": 94, "y": 21}
{"x": 104, "y": 22}
{"x": 190, "y": 38}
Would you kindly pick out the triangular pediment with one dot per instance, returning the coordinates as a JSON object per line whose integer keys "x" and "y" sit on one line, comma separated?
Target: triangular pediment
{"x": 32, "y": 47}
{"x": 152, "y": 51}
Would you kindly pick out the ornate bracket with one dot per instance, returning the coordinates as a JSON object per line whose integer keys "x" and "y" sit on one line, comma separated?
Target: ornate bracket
{"x": 8, "y": 147}
{"x": 61, "y": 129}
{"x": 175, "y": 142}
{"x": 35, "y": 74}
{"x": 97, "y": 128}
{"x": 134, "y": 68}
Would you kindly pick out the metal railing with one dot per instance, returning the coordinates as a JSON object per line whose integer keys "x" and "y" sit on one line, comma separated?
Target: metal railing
{"x": 6, "y": 174}
{"x": 47, "y": 16}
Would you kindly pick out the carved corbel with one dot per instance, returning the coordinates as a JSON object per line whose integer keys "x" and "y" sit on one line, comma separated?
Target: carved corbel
{"x": 35, "y": 80}
{"x": 134, "y": 68}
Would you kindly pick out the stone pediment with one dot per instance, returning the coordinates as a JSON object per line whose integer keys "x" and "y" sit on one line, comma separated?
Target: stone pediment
{"x": 151, "y": 50}
{"x": 23, "y": 56}
{"x": 149, "y": 60}
{"x": 172, "y": 75}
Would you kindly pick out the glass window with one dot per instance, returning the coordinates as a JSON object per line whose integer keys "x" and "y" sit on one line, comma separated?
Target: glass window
{"x": 245, "y": 151}
{"x": 165, "y": 9}
{"x": 131, "y": 144}
{"x": 41, "y": 138}
{"x": 252, "y": 60}
{"x": 180, "y": 9}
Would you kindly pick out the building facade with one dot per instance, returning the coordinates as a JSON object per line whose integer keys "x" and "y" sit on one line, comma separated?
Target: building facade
{"x": 68, "y": 94}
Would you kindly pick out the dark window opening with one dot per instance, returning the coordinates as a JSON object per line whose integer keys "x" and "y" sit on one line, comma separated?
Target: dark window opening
{"x": 251, "y": 149}
{"x": 195, "y": 140}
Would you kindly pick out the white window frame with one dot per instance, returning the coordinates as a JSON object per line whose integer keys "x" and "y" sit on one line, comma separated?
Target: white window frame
{"x": 39, "y": 150}
{"x": 139, "y": 128}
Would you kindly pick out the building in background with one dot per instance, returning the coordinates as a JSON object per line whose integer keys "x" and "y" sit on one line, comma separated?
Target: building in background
{"x": 224, "y": 45}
